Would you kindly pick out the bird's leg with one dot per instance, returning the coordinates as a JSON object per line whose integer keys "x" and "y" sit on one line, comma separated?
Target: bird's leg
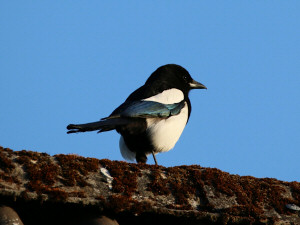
{"x": 154, "y": 157}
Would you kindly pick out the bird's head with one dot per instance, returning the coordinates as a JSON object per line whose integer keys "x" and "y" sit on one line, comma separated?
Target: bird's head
{"x": 174, "y": 76}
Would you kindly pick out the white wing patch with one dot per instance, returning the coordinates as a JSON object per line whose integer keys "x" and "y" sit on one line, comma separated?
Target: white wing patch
{"x": 166, "y": 132}
{"x": 169, "y": 96}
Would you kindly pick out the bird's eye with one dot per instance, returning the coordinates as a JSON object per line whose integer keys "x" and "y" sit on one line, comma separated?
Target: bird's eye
{"x": 185, "y": 78}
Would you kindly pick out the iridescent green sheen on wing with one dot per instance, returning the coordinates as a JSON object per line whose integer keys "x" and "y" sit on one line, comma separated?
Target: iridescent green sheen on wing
{"x": 149, "y": 109}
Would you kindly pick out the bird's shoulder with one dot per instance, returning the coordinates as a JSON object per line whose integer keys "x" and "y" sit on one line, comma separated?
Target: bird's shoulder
{"x": 160, "y": 94}
{"x": 146, "y": 91}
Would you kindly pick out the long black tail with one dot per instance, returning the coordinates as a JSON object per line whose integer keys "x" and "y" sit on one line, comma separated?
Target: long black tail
{"x": 101, "y": 126}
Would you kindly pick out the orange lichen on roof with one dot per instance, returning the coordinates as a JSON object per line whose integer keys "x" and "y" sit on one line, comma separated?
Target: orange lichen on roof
{"x": 125, "y": 176}
{"x": 193, "y": 192}
{"x": 7, "y": 166}
{"x": 74, "y": 169}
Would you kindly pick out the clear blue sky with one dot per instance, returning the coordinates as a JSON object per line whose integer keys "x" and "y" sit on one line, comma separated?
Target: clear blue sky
{"x": 67, "y": 62}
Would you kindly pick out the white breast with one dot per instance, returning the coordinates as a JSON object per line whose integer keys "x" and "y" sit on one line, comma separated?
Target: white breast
{"x": 166, "y": 132}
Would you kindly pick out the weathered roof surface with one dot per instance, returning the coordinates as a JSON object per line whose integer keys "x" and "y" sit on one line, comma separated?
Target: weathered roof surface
{"x": 73, "y": 187}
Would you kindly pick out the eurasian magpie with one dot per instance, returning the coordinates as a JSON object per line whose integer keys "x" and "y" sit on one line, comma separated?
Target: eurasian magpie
{"x": 153, "y": 117}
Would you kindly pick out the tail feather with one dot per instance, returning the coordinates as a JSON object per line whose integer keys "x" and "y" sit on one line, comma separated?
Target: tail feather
{"x": 102, "y": 125}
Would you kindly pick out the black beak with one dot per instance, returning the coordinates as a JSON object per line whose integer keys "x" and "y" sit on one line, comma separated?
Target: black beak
{"x": 196, "y": 85}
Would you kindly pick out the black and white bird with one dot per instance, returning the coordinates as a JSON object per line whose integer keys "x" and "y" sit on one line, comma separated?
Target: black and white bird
{"x": 153, "y": 117}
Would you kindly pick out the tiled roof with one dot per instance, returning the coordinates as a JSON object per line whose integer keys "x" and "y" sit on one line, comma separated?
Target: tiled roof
{"x": 72, "y": 188}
